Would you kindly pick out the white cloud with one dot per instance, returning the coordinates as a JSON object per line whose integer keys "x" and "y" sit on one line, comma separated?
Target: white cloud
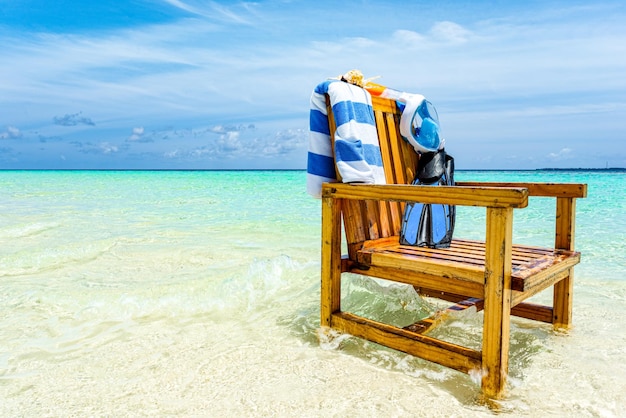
{"x": 108, "y": 148}
{"x": 11, "y": 132}
{"x": 172, "y": 154}
{"x": 563, "y": 154}
{"x": 137, "y": 134}
{"x": 229, "y": 142}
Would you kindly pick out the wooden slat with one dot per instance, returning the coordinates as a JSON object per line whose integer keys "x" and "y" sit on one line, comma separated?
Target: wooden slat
{"x": 395, "y": 149}
{"x": 386, "y": 227}
{"x": 385, "y": 148}
{"x": 535, "y": 262}
{"x": 425, "y": 265}
{"x": 465, "y": 260}
{"x": 352, "y": 214}
{"x": 397, "y": 168}
{"x": 371, "y": 214}
{"x": 431, "y": 349}
{"x": 550, "y": 275}
{"x": 495, "y": 197}
{"x": 418, "y": 278}
{"x": 533, "y": 311}
{"x": 410, "y": 158}
{"x": 385, "y": 105}
{"x": 518, "y": 297}
{"x": 523, "y": 310}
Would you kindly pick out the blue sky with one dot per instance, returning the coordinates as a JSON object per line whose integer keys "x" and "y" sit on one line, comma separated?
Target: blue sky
{"x": 192, "y": 84}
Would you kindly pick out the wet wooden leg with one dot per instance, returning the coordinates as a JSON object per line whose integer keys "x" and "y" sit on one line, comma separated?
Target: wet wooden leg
{"x": 564, "y": 239}
{"x": 496, "y": 327}
{"x": 331, "y": 260}
{"x": 563, "y": 300}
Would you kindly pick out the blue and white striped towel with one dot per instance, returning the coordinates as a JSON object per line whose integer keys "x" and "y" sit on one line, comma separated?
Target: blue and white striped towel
{"x": 357, "y": 151}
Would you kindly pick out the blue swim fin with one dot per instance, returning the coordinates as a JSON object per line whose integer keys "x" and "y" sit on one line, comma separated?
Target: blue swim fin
{"x": 430, "y": 225}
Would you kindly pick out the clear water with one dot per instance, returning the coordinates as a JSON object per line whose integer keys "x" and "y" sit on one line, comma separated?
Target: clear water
{"x": 197, "y": 293}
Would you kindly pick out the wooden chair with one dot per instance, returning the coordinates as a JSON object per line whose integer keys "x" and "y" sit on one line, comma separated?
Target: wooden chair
{"x": 496, "y": 275}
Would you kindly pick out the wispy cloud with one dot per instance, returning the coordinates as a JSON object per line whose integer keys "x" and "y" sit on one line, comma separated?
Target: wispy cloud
{"x": 215, "y": 10}
{"x": 450, "y": 32}
{"x": 73, "y": 120}
{"x": 99, "y": 148}
{"x": 43, "y": 138}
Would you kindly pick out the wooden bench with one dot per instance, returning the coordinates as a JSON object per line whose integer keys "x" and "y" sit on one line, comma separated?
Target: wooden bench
{"x": 496, "y": 276}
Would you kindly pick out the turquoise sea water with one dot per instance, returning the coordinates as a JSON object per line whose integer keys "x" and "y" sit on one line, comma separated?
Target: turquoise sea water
{"x": 197, "y": 293}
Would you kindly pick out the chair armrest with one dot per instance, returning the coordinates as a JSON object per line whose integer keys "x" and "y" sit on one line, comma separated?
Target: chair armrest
{"x": 575, "y": 190}
{"x": 496, "y": 197}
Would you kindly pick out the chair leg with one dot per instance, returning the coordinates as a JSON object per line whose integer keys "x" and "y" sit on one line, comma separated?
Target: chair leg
{"x": 331, "y": 260}
{"x": 497, "y": 314}
{"x": 562, "y": 302}
{"x": 495, "y": 352}
{"x": 564, "y": 239}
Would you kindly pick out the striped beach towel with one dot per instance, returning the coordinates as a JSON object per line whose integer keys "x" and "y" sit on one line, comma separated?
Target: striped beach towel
{"x": 356, "y": 151}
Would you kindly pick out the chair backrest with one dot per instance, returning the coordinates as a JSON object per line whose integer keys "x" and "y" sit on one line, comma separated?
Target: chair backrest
{"x": 366, "y": 220}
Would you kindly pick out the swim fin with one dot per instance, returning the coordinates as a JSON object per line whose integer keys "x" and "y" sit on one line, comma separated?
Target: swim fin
{"x": 430, "y": 225}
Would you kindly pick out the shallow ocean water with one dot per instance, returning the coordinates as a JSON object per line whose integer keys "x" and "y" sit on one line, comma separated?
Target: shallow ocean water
{"x": 196, "y": 293}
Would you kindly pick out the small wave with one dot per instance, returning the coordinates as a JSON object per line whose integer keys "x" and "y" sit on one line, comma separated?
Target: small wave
{"x": 45, "y": 259}
{"x": 267, "y": 282}
{"x": 26, "y": 230}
